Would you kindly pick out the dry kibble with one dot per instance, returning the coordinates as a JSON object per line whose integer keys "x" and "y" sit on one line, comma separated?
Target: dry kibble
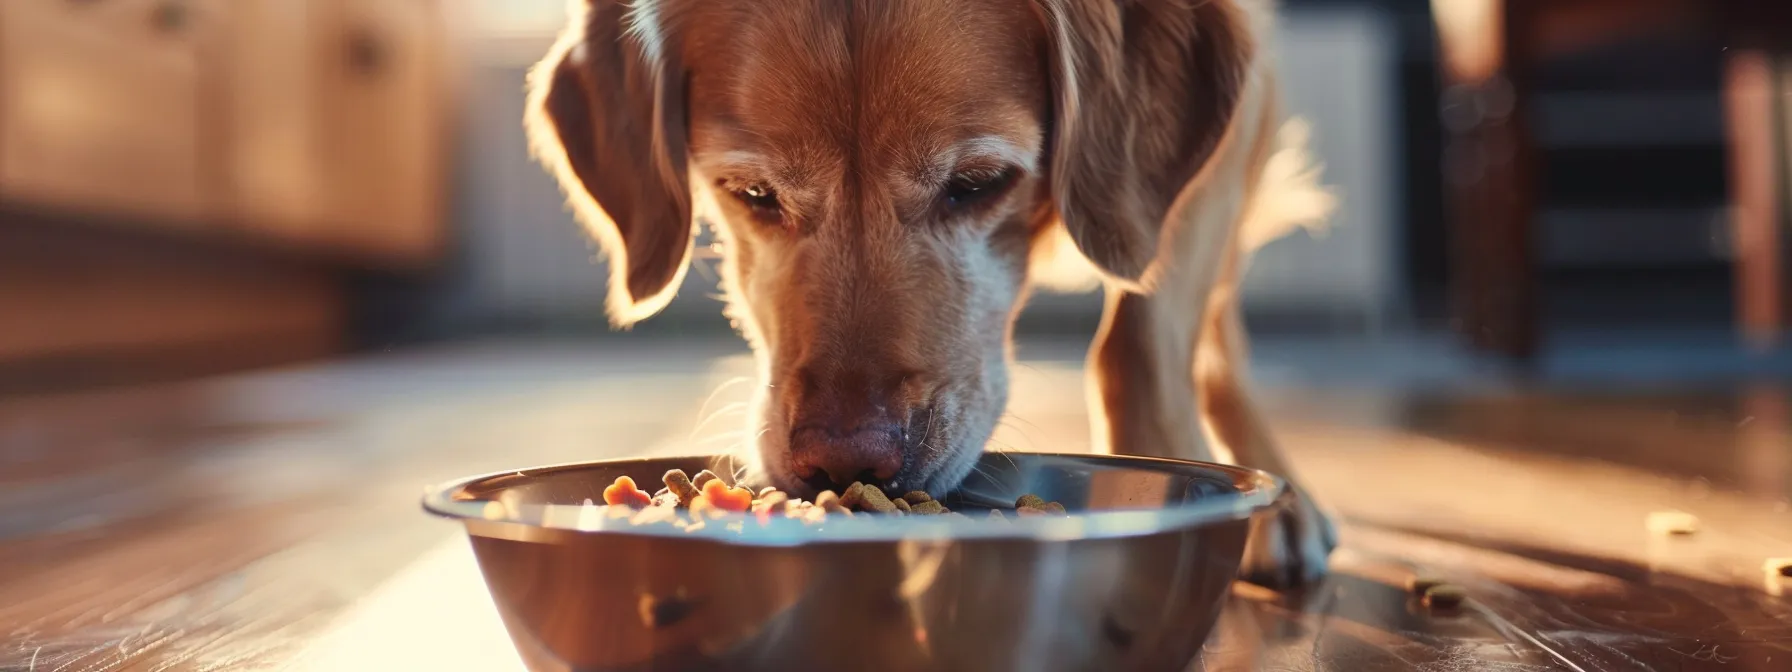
{"x": 691, "y": 503}
{"x": 828, "y": 502}
{"x": 770, "y": 501}
{"x": 873, "y": 499}
{"x": 682, "y": 486}
{"x": 1445, "y": 596}
{"x": 624, "y": 492}
{"x": 853, "y": 498}
{"x": 727, "y": 498}
{"x": 929, "y": 508}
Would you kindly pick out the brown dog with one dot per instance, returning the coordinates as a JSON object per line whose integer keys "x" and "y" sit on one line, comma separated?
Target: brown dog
{"x": 886, "y": 175}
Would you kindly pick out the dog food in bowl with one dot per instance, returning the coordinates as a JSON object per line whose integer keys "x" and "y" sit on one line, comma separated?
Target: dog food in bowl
{"x": 691, "y": 503}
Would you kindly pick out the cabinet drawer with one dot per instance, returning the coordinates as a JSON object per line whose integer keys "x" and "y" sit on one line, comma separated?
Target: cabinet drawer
{"x": 102, "y": 107}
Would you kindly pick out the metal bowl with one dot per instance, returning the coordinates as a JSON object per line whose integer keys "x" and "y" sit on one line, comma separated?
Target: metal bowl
{"x": 1133, "y": 579}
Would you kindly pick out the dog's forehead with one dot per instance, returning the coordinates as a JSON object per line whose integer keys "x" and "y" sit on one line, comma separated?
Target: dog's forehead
{"x": 889, "y": 81}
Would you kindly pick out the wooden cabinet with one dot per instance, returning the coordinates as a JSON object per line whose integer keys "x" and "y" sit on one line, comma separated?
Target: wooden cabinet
{"x": 381, "y": 70}
{"x": 102, "y": 107}
{"x": 337, "y": 122}
{"x": 312, "y": 124}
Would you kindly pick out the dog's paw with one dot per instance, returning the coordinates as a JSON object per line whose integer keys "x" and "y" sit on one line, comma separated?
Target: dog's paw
{"x": 1290, "y": 548}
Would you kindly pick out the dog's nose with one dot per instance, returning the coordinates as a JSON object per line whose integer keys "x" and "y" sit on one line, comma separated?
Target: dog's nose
{"x": 866, "y": 454}
{"x": 848, "y": 423}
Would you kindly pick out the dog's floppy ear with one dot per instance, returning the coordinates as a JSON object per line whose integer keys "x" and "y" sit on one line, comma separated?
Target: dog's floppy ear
{"x": 606, "y": 116}
{"x": 1145, "y": 90}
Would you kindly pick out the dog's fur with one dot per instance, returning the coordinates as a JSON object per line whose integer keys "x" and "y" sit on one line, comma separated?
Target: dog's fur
{"x": 890, "y": 177}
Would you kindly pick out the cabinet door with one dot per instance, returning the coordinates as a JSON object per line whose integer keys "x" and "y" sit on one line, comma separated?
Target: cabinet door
{"x": 383, "y": 124}
{"x": 101, "y": 107}
{"x": 273, "y": 154}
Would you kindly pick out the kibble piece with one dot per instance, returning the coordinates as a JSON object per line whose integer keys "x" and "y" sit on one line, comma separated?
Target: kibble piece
{"x": 900, "y": 504}
{"x": 916, "y": 497}
{"x": 770, "y": 501}
{"x": 718, "y": 495}
{"x": 1419, "y": 585}
{"x": 1445, "y": 596}
{"x": 624, "y": 493}
{"x": 703, "y": 477}
{"x": 873, "y": 499}
{"x": 767, "y": 490}
{"x": 929, "y": 508}
{"x": 830, "y": 502}
{"x": 665, "y": 500}
{"x": 853, "y": 498}
{"x": 682, "y": 486}
{"x": 1029, "y": 502}
{"x": 1056, "y": 509}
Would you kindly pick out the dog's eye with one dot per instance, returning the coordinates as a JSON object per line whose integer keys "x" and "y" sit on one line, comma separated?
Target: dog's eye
{"x": 763, "y": 200}
{"x": 968, "y": 188}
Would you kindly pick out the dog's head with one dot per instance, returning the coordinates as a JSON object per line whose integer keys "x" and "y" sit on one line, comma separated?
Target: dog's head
{"x": 879, "y": 171}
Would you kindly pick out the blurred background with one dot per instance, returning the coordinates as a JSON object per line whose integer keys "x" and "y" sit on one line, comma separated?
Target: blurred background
{"x": 267, "y": 256}
{"x": 1593, "y": 190}
{"x": 195, "y": 186}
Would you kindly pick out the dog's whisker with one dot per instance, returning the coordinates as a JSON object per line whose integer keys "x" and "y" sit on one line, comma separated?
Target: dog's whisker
{"x": 713, "y": 438}
{"x": 1031, "y": 444}
{"x": 722, "y": 411}
{"x": 723, "y": 387}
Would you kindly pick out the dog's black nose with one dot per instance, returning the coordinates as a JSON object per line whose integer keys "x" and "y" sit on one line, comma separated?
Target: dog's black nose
{"x": 829, "y": 458}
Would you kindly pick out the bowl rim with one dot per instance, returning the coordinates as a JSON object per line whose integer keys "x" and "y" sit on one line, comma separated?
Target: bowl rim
{"x": 1256, "y": 491}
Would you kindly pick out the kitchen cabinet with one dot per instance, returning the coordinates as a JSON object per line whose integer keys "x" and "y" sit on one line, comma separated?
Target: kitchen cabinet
{"x": 317, "y": 126}
{"x": 338, "y": 123}
{"x": 102, "y": 107}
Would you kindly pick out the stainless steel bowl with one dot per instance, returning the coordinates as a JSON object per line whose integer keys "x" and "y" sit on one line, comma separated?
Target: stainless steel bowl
{"x": 1132, "y": 580}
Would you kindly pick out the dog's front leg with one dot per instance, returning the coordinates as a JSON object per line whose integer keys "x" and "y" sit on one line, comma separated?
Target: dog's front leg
{"x": 1142, "y": 388}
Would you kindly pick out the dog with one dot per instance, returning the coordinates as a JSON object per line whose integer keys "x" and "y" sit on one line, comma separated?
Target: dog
{"x": 889, "y": 179}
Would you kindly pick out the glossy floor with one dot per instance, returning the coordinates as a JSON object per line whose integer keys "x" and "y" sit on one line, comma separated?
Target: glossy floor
{"x": 270, "y": 521}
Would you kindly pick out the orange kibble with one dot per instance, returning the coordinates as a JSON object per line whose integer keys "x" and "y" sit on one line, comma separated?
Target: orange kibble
{"x": 624, "y": 493}
{"x": 721, "y": 496}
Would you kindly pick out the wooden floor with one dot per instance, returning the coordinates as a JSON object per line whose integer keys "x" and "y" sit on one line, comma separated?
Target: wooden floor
{"x": 270, "y": 521}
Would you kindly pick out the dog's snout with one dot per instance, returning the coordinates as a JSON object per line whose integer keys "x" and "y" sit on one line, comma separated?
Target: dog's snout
{"x": 868, "y": 454}
{"x": 850, "y": 424}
